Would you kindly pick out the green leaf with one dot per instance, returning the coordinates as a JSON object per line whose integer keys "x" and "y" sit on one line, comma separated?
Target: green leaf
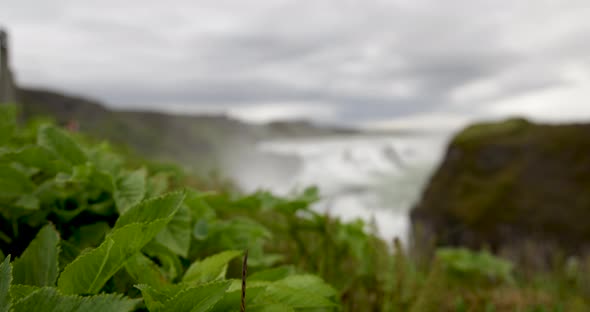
{"x": 152, "y": 209}
{"x": 144, "y": 271}
{"x": 61, "y": 144}
{"x": 38, "y": 265}
{"x": 211, "y": 268}
{"x": 14, "y": 182}
{"x": 129, "y": 189}
{"x": 296, "y": 298}
{"x": 91, "y": 270}
{"x": 272, "y": 275}
{"x": 154, "y": 298}
{"x": 309, "y": 283}
{"x": 169, "y": 262}
{"x": 36, "y": 157}
{"x": 17, "y": 292}
{"x": 5, "y": 280}
{"x": 177, "y": 234}
{"x": 50, "y": 300}
{"x": 89, "y": 236}
{"x": 7, "y": 122}
{"x": 270, "y": 308}
{"x": 232, "y": 299}
{"x": 28, "y": 202}
{"x": 197, "y": 299}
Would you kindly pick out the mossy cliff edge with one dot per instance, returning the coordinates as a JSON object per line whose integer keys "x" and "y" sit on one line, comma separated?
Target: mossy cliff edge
{"x": 504, "y": 185}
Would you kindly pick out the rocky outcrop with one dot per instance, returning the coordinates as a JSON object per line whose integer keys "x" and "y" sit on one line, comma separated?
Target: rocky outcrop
{"x": 7, "y": 92}
{"x": 504, "y": 185}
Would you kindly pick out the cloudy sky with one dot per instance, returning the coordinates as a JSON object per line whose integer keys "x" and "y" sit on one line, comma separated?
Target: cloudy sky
{"x": 378, "y": 62}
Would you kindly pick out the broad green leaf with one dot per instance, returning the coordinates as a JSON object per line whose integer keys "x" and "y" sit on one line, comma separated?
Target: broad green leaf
{"x": 28, "y": 202}
{"x": 197, "y": 299}
{"x": 129, "y": 189}
{"x": 157, "y": 184}
{"x": 13, "y": 182}
{"x": 144, "y": 271}
{"x": 7, "y": 122}
{"x": 5, "y": 280}
{"x": 198, "y": 207}
{"x": 296, "y": 298}
{"x": 89, "y": 236}
{"x": 275, "y": 307}
{"x": 177, "y": 234}
{"x": 169, "y": 261}
{"x": 152, "y": 209}
{"x": 272, "y": 275}
{"x": 36, "y": 157}
{"x": 17, "y": 292}
{"x": 91, "y": 270}
{"x": 38, "y": 265}
{"x": 155, "y": 298}
{"x": 211, "y": 268}
{"x": 61, "y": 144}
{"x": 48, "y": 299}
{"x": 232, "y": 299}
{"x": 309, "y": 283}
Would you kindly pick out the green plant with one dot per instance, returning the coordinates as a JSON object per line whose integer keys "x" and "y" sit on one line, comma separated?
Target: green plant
{"x": 90, "y": 230}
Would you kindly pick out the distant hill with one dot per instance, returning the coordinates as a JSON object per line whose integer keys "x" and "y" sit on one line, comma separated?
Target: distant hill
{"x": 200, "y": 141}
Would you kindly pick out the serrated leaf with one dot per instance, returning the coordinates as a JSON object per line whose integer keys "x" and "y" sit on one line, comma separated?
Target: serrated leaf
{"x": 144, "y": 271}
{"x": 61, "y": 144}
{"x": 129, "y": 189}
{"x": 211, "y": 268}
{"x": 89, "y": 236}
{"x": 169, "y": 262}
{"x": 177, "y": 234}
{"x": 309, "y": 283}
{"x": 197, "y": 299}
{"x": 17, "y": 292}
{"x": 14, "y": 182}
{"x": 91, "y": 270}
{"x": 273, "y": 274}
{"x": 296, "y": 298}
{"x": 37, "y": 157}
{"x": 276, "y": 307}
{"x": 38, "y": 265}
{"x": 5, "y": 281}
{"x": 152, "y": 209}
{"x": 155, "y": 298}
{"x": 232, "y": 299}
{"x": 48, "y": 299}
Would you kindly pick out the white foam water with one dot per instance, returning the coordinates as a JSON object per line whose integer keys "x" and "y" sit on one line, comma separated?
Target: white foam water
{"x": 374, "y": 178}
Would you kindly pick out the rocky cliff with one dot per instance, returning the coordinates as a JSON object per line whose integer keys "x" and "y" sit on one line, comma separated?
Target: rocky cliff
{"x": 6, "y": 79}
{"x": 511, "y": 184}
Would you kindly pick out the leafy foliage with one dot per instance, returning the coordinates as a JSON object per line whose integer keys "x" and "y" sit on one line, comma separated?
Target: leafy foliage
{"x": 86, "y": 226}
{"x": 5, "y": 280}
{"x": 93, "y": 229}
{"x": 38, "y": 265}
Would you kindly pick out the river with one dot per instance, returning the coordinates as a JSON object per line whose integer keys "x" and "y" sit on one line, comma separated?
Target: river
{"x": 374, "y": 178}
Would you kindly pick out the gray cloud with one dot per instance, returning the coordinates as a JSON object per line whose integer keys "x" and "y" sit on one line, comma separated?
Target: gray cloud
{"x": 367, "y": 59}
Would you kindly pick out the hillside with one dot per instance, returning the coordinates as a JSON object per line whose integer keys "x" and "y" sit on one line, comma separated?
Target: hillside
{"x": 512, "y": 186}
{"x": 204, "y": 142}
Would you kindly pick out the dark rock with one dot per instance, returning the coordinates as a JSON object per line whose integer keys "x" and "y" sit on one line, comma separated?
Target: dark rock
{"x": 511, "y": 184}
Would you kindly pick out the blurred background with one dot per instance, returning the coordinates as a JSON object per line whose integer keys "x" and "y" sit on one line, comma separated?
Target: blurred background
{"x": 358, "y": 97}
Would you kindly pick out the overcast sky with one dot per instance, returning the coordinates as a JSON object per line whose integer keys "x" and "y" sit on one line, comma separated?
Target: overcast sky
{"x": 378, "y": 62}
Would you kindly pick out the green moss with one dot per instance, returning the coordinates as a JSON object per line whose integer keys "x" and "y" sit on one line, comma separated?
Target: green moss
{"x": 477, "y": 132}
{"x": 483, "y": 202}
